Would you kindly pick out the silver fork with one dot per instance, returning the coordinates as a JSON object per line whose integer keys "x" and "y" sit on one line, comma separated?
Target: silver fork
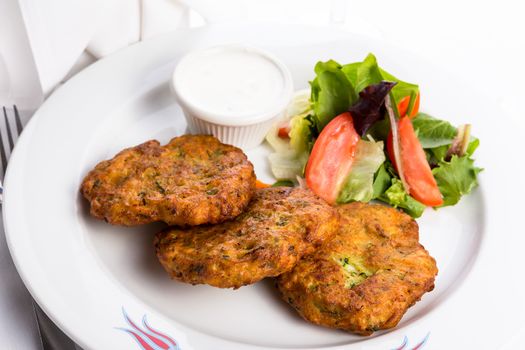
{"x": 51, "y": 336}
{"x": 5, "y": 152}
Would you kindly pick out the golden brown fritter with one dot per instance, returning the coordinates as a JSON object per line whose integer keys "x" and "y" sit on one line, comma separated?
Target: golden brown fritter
{"x": 192, "y": 180}
{"x": 367, "y": 276}
{"x": 280, "y": 225}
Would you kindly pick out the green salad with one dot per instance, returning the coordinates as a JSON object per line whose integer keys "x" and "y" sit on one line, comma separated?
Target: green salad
{"x": 357, "y": 135}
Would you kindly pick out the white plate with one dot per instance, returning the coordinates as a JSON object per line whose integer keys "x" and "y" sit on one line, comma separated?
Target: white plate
{"x": 86, "y": 274}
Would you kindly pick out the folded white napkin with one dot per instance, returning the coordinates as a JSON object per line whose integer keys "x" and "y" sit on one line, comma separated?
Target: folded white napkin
{"x": 18, "y": 75}
{"x": 129, "y": 21}
{"x": 59, "y": 31}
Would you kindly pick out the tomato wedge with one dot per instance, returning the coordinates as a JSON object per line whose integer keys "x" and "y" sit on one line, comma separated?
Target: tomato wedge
{"x": 418, "y": 175}
{"x": 284, "y": 130}
{"x": 332, "y": 157}
{"x": 402, "y": 106}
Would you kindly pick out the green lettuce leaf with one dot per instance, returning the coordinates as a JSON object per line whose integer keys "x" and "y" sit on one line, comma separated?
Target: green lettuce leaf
{"x": 363, "y": 74}
{"x": 472, "y": 146}
{"x": 438, "y": 154}
{"x": 301, "y": 125}
{"x": 368, "y": 72}
{"x": 331, "y": 92}
{"x": 290, "y": 156}
{"x": 401, "y": 89}
{"x": 396, "y": 196}
{"x": 382, "y": 181}
{"x": 287, "y": 165}
{"x": 436, "y": 137}
{"x": 380, "y": 130}
{"x": 350, "y": 71}
{"x": 456, "y": 178}
{"x": 359, "y": 183}
{"x": 284, "y": 183}
{"x": 336, "y": 87}
{"x": 433, "y": 132}
{"x": 301, "y": 133}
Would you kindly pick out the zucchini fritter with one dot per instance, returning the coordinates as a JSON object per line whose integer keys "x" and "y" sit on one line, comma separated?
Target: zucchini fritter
{"x": 280, "y": 225}
{"x": 367, "y": 277}
{"x": 192, "y": 180}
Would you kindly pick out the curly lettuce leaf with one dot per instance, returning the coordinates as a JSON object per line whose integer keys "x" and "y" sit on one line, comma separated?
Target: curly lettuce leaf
{"x": 287, "y": 165}
{"x": 456, "y": 178}
{"x": 291, "y": 154}
{"x": 396, "y": 196}
{"x": 439, "y": 154}
{"x": 331, "y": 92}
{"x": 389, "y": 189}
{"x": 300, "y": 121}
{"x": 437, "y": 137}
{"x": 301, "y": 133}
{"x": 359, "y": 183}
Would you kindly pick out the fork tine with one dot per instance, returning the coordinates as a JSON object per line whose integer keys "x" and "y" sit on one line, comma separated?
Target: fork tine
{"x": 3, "y": 155}
{"x": 9, "y": 135}
{"x": 18, "y": 121}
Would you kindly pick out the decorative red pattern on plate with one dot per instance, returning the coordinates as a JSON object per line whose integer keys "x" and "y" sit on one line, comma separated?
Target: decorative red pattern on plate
{"x": 417, "y": 347}
{"x": 148, "y": 338}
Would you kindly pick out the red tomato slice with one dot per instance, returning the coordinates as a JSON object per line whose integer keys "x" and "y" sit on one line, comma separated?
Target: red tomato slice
{"x": 418, "y": 175}
{"x": 390, "y": 149}
{"x": 402, "y": 106}
{"x": 332, "y": 157}
{"x": 284, "y": 131}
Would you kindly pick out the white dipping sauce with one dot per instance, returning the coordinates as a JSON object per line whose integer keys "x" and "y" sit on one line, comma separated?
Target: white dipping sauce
{"x": 231, "y": 81}
{"x": 233, "y": 92}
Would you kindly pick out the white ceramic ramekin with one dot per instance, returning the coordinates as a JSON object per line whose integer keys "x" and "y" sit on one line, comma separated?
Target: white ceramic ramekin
{"x": 242, "y": 130}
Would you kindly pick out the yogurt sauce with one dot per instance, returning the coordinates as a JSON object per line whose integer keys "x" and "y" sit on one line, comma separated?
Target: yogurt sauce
{"x": 232, "y": 82}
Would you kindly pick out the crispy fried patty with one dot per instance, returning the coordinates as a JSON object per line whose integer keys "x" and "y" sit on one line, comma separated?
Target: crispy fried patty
{"x": 280, "y": 225}
{"x": 367, "y": 276}
{"x": 192, "y": 180}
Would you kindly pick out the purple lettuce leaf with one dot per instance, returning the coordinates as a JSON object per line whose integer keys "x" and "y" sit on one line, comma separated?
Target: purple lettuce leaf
{"x": 370, "y": 107}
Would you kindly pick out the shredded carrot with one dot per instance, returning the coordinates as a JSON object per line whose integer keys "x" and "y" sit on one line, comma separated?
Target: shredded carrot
{"x": 260, "y": 184}
{"x": 403, "y": 105}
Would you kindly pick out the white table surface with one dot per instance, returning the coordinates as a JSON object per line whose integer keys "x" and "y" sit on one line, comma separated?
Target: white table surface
{"x": 479, "y": 41}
